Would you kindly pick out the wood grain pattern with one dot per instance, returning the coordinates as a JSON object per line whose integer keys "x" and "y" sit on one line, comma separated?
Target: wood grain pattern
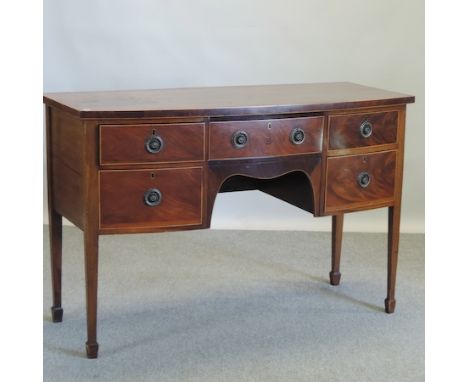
{"x": 68, "y": 193}
{"x": 66, "y": 165}
{"x": 97, "y": 176}
{"x": 125, "y": 144}
{"x": 270, "y": 137}
{"x": 362, "y": 150}
{"x": 224, "y": 101}
{"x": 122, "y": 198}
{"x": 343, "y": 191}
{"x": 345, "y": 130}
{"x": 67, "y": 140}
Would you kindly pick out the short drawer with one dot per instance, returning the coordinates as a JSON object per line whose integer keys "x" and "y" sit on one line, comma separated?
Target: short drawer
{"x": 361, "y": 130}
{"x": 132, "y": 144}
{"x": 360, "y": 181}
{"x": 150, "y": 198}
{"x": 264, "y": 138}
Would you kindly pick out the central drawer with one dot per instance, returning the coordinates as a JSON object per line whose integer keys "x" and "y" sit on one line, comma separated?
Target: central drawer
{"x": 157, "y": 198}
{"x": 264, "y": 138}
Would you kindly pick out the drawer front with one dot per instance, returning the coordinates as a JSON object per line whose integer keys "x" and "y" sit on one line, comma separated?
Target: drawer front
{"x": 361, "y": 130}
{"x": 360, "y": 181}
{"x": 131, "y": 144}
{"x": 264, "y": 138}
{"x": 151, "y": 198}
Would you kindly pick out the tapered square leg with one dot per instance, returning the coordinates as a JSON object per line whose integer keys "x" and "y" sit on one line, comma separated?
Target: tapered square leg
{"x": 55, "y": 235}
{"x": 393, "y": 242}
{"x": 337, "y": 236}
{"x": 55, "y": 231}
{"x": 91, "y": 240}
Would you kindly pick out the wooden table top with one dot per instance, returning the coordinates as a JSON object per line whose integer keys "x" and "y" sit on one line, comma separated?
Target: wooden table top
{"x": 223, "y": 101}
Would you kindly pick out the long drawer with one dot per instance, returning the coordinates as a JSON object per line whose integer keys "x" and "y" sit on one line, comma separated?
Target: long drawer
{"x": 264, "y": 138}
{"x": 151, "y": 198}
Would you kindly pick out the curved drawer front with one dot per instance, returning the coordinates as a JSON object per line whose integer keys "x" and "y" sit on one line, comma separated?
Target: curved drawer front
{"x": 359, "y": 181}
{"x": 132, "y": 144}
{"x": 264, "y": 138}
{"x": 361, "y": 130}
{"x": 151, "y": 198}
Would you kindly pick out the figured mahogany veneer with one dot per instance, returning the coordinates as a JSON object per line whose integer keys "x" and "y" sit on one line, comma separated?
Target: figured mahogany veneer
{"x": 266, "y": 138}
{"x": 122, "y": 198}
{"x": 344, "y": 130}
{"x": 154, "y": 160}
{"x": 126, "y": 144}
{"x": 224, "y": 100}
{"x": 343, "y": 191}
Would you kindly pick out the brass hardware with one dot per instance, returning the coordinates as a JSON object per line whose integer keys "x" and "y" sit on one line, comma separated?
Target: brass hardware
{"x": 152, "y": 197}
{"x": 366, "y": 129}
{"x": 297, "y": 136}
{"x": 239, "y": 139}
{"x": 154, "y": 144}
{"x": 363, "y": 179}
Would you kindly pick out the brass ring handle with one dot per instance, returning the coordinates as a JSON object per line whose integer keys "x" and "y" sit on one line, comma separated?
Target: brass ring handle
{"x": 152, "y": 197}
{"x": 154, "y": 144}
{"x": 297, "y": 136}
{"x": 365, "y": 129}
{"x": 363, "y": 179}
{"x": 239, "y": 139}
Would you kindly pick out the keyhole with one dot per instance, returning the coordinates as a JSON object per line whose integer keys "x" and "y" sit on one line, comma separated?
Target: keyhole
{"x": 269, "y": 125}
{"x": 152, "y": 175}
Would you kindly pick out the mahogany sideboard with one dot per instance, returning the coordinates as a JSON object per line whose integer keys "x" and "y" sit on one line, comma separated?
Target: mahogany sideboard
{"x": 154, "y": 160}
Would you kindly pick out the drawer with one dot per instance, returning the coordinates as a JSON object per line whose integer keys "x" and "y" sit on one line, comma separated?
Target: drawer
{"x": 131, "y": 144}
{"x": 264, "y": 138}
{"x": 361, "y": 130}
{"x": 150, "y": 198}
{"x": 360, "y": 181}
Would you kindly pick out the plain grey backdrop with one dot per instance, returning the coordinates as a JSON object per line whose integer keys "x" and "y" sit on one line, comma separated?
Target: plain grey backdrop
{"x": 141, "y": 44}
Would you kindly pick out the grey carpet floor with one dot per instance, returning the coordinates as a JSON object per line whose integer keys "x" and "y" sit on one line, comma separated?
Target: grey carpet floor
{"x": 238, "y": 306}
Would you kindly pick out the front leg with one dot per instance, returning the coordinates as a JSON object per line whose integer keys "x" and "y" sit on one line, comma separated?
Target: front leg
{"x": 393, "y": 241}
{"x": 91, "y": 244}
{"x": 337, "y": 236}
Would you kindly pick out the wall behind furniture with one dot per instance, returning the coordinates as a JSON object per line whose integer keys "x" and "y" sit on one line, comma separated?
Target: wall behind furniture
{"x": 141, "y": 44}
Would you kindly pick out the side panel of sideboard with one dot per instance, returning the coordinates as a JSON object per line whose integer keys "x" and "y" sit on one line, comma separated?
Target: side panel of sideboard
{"x": 65, "y": 164}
